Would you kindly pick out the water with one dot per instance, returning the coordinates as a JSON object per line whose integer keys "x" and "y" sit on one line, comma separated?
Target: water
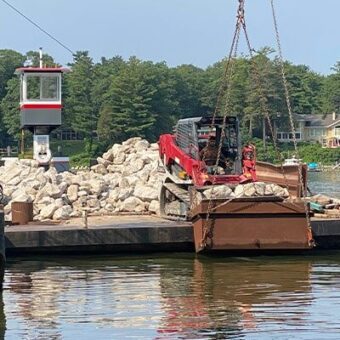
{"x": 325, "y": 183}
{"x": 173, "y": 297}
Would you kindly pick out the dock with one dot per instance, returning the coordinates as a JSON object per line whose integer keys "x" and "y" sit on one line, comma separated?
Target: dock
{"x": 103, "y": 235}
{"x": 123, "y": 234}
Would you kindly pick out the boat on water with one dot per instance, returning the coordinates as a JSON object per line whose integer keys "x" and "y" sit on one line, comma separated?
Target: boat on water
{"x": 292, "y": 161}
{"x": 313, "y": 167}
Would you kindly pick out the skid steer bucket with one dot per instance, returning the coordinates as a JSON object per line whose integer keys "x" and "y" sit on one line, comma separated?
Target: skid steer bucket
{"x": 266, "y": 223}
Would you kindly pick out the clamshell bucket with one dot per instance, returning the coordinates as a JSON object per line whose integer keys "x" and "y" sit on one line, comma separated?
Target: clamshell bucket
{"x": 256, "y": 223}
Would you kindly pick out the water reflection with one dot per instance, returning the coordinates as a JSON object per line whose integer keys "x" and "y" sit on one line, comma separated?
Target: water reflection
{"x": 222, "y": 298}
{"x": 179, "y": 297}
{"x": 2, "y": 318}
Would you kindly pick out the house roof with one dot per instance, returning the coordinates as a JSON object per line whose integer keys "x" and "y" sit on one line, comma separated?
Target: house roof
{"x": 326, "y": 120}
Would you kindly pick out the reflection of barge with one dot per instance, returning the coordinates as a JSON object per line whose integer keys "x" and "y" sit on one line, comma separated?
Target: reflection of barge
{"x": 230, "y": 306}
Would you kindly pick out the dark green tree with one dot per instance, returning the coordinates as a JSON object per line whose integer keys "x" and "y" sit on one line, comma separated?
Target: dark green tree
{"x": 104, "y": 126}
{"x": 79, "y": 112}
{"x": 131, "y": 96}
{"x": 9, "y": 61}
{"x": 330, "y": 94}
{"x": 10, "y": 108}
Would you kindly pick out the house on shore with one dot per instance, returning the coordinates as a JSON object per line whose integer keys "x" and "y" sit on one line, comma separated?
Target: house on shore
{"x": 323, "y": 129}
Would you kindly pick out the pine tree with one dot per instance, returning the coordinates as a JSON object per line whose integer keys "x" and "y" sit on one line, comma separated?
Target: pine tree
{"x": 10, "y": 108}
{"x": 79, "y": 112}
{"x": 131, "y": 98}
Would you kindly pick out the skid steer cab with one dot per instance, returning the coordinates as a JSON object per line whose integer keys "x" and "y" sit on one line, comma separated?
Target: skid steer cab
{"x": 203, "y": 153}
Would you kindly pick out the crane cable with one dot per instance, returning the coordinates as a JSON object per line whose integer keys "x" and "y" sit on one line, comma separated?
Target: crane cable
{"x": 38, "y": 26}
{"x": 291, "y": 121}
{"x": 232, "y": 53}
{"x": 241, "y": 24}
{"x": 208, "y": 227}
{"x": 264, "y": 103}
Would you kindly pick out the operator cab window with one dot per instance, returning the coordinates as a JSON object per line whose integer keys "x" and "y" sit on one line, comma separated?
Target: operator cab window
{"x": 203, "y": 134}
{"x": 42, "y": 88}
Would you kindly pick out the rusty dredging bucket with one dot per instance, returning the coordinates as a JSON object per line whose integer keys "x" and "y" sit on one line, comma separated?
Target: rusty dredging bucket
{"x": 22, "y": 212}
{"x": 247, "y": 224}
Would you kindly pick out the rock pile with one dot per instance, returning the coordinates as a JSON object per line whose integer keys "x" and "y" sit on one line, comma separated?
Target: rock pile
{"x": 230, "y": 192}
{"x": 126, "y": 179}
{"x": 246, "y": 190}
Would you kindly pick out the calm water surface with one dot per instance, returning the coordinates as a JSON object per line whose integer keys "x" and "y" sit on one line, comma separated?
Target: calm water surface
{"x": 174, "y": 297}
{"x": 325, "y": 183}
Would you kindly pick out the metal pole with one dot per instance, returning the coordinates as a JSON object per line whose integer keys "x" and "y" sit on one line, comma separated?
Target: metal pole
{"x": 22, "y": 146}
{"x": 40, "y": 57}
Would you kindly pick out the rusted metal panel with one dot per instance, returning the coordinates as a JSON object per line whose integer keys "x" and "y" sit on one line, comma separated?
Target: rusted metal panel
{"x": 249, "y": 206}
{"x": 284, "y": 176}
{"x": 253, "y": 226}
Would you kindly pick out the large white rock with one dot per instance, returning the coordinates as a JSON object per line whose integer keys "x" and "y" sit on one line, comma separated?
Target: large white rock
{"x": 13, "y": 171}
{"x": 18, "y": 192}
{"x": 218, "y": 191}
{"x": 132, "y": 141}
{"x": 239, "y": 190}
{"x": 108, "y": 155}
{"x": 93, "y": 203}
{"x": 142, "y": 145}
{"x": 268, "y": 190}
{"x": 146, "y": 193}
{"x": 63, "y": 213}
{"x": 249, "y": 189}
{"x": 48, "y": 211}
{"x": 124, "y": 183}
{"x": 82, "y": 193}
{"x": 132, "y": 204}
{"x": 45, "y": 200}
{"x": 154, "y": 206}
{"x": 113, "y": 195}
{"x": 7, "y": 208}
{"x": 53, "y": 190}
{"x": 99, "y": 168}
{"x": 96, "y": 186}
{"x": 115, "y": 168}
{"x": 103, "y": 161}
{"x": 260, "y": 188}
{"x": 51, "y": 175}
{"x": 22, "y": 198}
{"x": 133, "y": 180}
{"x": 109, "y": 207}
{"x": 8, "y": 190}
{"x": 119, "y": 153}
{"x": 14, "y": 181}
{"x": 279, "y": 191}
{"x": 124, "y": 193}
{"x": 72, "y": 192}
{"x": 112, "y": 180}
{"x": 154, "y": 147}
{"x": 59, "y": 202}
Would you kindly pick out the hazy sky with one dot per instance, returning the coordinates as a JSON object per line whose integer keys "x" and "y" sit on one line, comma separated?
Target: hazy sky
{"x": 177, "y": 31}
